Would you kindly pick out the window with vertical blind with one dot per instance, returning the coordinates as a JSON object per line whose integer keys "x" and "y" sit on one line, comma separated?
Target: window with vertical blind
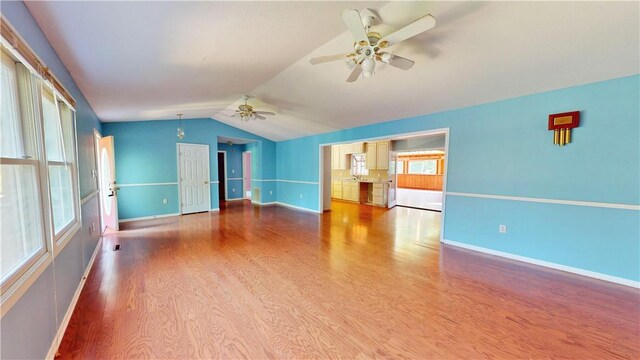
{"x": 39, "y": 200}
{"x": 22, "y": 221}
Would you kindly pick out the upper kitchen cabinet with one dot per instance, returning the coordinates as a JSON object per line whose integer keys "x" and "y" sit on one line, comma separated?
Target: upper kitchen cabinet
{"x": 340, "y": 155}
{"x": 378, "y": 155}
{"x": 338, "y": 158}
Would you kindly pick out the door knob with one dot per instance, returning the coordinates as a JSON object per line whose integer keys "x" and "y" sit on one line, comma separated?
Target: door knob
{"x": 206, "y": 182}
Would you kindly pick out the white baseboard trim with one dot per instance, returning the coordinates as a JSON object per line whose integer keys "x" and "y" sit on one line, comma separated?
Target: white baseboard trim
{"x": 213, "y": 210}
{"x": 297, "y": 207}
{"x": 263, "y": 204}
{"x": 573, "y": 270}
{"x": 67, "y": 316}
{"x": 148, "y": 217}
{"x": 236, "y": 199}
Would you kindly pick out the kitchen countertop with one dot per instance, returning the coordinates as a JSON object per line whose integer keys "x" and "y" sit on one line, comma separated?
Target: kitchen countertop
{"x": 362, "y": 180}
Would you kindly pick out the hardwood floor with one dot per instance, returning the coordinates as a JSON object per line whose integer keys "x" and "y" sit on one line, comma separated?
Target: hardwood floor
{"x": 358, "y": 282}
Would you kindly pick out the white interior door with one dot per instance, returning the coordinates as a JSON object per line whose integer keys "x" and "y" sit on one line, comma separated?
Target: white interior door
{"x": 392, "y": 197}
{"x": 108, "y": 187}
{"x": 193, "y": 167}
{"x": 246, "y": 174}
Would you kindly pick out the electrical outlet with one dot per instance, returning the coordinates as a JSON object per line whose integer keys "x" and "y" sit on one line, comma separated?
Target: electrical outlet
{"x": 502, "y": 229}
{"x": 233, "y": 171}
{"x": 165, "y": 201}
{"x": 300, "y": 196}
{"x": 270, "y": 192}
{"x": 233, "y": 189}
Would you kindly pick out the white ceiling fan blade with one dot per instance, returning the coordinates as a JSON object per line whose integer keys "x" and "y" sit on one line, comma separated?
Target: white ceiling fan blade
{"x": 328, "y": 58}
{"x": 265, "y": 113}
{"x": 355, "y": 74}
{"x": 353, "y": 22}
{"x": 419, "y": 26}
{"x": 260, "y": 117}
{"x": 398, "y": 61}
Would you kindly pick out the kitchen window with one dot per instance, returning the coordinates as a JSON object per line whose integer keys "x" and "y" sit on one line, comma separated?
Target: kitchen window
{"x": 359, "y": 165}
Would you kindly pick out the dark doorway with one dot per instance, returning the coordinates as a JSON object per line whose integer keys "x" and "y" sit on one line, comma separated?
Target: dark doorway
{"x": 222, "y": 191}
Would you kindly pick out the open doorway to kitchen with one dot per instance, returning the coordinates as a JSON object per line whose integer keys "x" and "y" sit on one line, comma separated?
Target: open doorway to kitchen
{"x": 379, "y": 173}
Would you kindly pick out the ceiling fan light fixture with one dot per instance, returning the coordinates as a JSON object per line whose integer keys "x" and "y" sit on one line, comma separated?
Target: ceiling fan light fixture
{"x": 350, "y": 63}
{"x": 368, "y": 65}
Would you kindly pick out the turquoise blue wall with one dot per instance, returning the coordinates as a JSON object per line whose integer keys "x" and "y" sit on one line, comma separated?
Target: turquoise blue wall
{"x": 504, "y": 148}
{"x": 145, "y": 152}
{"x": 234, "y": 169}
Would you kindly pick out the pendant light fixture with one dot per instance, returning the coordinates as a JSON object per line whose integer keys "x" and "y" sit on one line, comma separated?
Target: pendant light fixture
{"x": 180, "y": 132}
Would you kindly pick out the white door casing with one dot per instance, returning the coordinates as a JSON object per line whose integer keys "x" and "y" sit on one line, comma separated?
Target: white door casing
{"x": 193, "y": 178}
{"x": 108, "y": 186}
{"x": 392, "y": 197}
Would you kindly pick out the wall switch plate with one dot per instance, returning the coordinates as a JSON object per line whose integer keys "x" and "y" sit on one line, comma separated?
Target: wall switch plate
{"x": 165, "y": 201}
{"x": 502, "y": 229}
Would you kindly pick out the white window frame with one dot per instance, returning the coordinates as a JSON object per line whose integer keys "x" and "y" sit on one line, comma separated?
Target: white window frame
{"x": 12, "y": 289}
{"x": 62, "y": 237}
{"x": 361, "y": 169}
{"x": 422, "y": 167}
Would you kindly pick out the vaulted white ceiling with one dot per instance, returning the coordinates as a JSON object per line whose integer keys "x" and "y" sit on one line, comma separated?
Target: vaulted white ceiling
{"x": 151, "y": 60}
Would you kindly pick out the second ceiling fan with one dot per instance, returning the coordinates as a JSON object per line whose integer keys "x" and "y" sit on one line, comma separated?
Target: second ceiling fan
{"x": 246, "y": 112}
{"x": 369, "y": 45}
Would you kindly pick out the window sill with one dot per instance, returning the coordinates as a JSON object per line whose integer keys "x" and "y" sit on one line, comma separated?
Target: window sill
{"x": 11, "y": 296}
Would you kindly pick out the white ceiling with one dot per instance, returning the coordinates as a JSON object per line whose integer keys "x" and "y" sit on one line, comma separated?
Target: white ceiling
{"x": 151, "y": 60}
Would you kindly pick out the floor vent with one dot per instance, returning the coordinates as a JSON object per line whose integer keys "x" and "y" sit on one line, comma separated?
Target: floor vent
{"x": 116, "y": 248}
{"x": 255, "y": 194}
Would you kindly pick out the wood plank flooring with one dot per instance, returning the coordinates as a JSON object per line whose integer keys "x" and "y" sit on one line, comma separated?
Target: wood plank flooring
{"x": 358, "y": 282}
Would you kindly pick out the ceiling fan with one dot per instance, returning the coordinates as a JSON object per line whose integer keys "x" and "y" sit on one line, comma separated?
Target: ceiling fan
{"x": 246, "y": 112}
{"x": 369, "y": 45}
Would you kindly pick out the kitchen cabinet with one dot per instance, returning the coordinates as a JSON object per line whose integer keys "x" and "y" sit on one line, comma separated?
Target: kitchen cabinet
{"x": 351, "y": 190}
{"x": 377, "y": 155}
{"x": 379, "y": 192}
{"x": 341, "y": 155}
{"x": 382, "y": 155}
{"x": 339, "y": 158}
{"x": 357, "y": 148}
{"x": 336, "y": 189}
